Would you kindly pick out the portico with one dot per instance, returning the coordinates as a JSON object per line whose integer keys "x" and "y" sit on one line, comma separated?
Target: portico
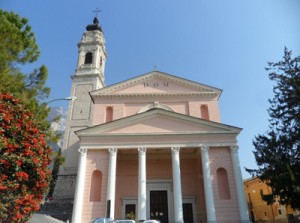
{"x": 175, "y": 166}
{"x": 171, "y": 186}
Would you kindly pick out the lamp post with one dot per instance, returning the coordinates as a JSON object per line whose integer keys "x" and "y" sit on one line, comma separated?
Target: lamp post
{"x": 70, "y": 98}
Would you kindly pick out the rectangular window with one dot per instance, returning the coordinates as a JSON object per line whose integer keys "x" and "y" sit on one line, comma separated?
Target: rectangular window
{"x": 130, "y": 211}
{"x": 279, "y": 211}
{"x": 261, "y": 192}
{"x": 129, "y": 208}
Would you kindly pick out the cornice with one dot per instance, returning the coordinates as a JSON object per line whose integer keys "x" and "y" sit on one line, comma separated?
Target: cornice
{"x": 153, "y": 145}
{"x": 160, "y": 134}
{"x": 76, "y": 76}
{"x": 156, "y": 94}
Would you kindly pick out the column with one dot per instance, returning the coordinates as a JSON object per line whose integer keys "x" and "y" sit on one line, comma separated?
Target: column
{"x": 209, "y": 196}
{"x": 111, "y": 186}
{"x": 244, "y": 218}
{"x": 178, "y": 210}
{"x": 142, "y": 212}
{"x": 78, "y": 200}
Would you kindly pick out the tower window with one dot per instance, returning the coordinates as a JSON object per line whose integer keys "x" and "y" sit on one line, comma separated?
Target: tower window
{"x": 88, "y": 58}
{"x": 204, "y": 112}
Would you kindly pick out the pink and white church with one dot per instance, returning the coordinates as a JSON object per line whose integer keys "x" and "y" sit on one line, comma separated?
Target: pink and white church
{"x": 152, "y": 147}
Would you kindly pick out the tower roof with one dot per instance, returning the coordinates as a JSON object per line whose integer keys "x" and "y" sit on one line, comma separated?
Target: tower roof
{"x": 94, "y": 26}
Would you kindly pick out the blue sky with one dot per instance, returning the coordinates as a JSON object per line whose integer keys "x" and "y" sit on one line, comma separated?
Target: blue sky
{"x": 224, "y": 44}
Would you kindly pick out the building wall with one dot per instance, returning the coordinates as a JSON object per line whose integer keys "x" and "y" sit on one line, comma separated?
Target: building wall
{"x": 261, "y": 212}
{"x": 123, "y": 107}
{"x": 96, "y": 160}
{"x": 226, "y": 208}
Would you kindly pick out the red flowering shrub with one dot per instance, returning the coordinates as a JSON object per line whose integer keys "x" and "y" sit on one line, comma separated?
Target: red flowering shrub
{"x": 24, "y": 160}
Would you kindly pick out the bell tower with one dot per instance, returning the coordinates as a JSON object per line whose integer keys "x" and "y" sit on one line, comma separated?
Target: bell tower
{"x": 92, "y": 53}
{"x": 89, "y": 76}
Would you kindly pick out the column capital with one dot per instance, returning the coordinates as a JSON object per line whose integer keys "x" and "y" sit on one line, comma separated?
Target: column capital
{"x": 82, "y": 151}
{"x": 142, "y": 150}
{"x": 112, "y": 150}
{"x": 204, "y": 149}
{"x": 175, "y": 149}
{"x": 234, "y": 148}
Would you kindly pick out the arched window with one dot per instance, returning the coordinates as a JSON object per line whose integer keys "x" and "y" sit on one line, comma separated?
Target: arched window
{"x": 96, "y": 186}
{"x": 88, "y": 58}
{"x": 223, "y": 184}
{"x": 109, "y": 114}
{"x": 204, "y": 112}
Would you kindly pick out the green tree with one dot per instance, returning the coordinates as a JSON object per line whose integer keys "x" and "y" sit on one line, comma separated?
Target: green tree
{"x": 17, "y": 41}
{"x": 57, "y": 161}
{"x": 18, "y": 47}
{"x": 277, "y": 152}
{"x": 21, "y": 95}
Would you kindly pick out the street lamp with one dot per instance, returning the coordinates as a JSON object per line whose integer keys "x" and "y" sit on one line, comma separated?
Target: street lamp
{"x": 70, "y": 98}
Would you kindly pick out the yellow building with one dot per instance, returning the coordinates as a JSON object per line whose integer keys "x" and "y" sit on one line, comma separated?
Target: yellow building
{"x": 259, "y": 211}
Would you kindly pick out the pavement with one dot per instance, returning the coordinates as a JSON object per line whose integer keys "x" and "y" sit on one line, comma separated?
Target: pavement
{"x": 41, "y": 218}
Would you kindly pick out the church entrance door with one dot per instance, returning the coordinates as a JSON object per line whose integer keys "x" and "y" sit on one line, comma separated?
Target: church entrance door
{"x": 159, "y": 205}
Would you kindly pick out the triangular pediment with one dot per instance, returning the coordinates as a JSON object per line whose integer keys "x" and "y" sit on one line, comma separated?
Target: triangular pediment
{"x": 158, "y": 121}
{"x": 156, "y": 83}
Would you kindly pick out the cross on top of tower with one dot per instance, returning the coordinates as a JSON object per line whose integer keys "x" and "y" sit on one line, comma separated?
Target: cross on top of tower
{"x": 96, "y": 11}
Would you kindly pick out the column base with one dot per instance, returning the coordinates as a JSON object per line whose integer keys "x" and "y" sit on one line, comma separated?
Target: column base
{"x": 245, "y": 221}
{"x": 212, "y": 222}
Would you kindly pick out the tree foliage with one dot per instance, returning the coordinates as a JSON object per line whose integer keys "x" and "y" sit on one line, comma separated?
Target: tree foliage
{"x": 24, "y": 130}
{"x": 24, "y": 160}
{"x": 277, "y": 152}
{"x": 17, "y": 41}
{"x": 57, "y": 161}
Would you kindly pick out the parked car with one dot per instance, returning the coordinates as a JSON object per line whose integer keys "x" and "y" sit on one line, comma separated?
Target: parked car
{"x": 102, "y": 220}
{"x": 125, "y": 221}
{"x": 151, "y": 221}
{"x": 136, "y": 221}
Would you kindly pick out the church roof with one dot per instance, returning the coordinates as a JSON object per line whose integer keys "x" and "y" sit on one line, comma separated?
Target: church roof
{"x": 156, "y": 83}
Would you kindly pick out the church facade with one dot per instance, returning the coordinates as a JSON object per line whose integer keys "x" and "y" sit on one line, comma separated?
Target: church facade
{"x": 151, "y": 147}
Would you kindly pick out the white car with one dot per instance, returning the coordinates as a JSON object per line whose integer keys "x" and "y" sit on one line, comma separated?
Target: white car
{"x": 125, "y": 221}
{"x": 151, "y": 221}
